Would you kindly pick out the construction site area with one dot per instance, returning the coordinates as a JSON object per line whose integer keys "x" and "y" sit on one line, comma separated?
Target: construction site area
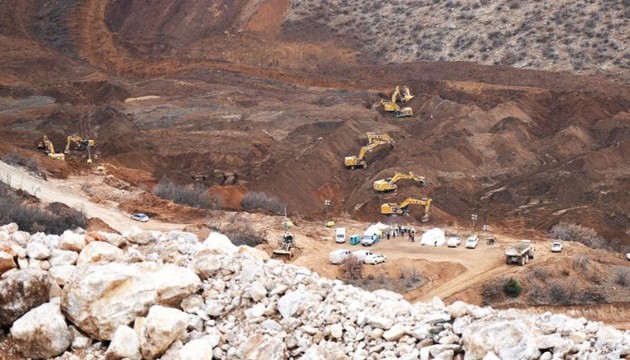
{"x": 291, "y": 132}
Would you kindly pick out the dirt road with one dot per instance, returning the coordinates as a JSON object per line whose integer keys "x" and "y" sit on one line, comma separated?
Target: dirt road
{"x": 56, "y": 191}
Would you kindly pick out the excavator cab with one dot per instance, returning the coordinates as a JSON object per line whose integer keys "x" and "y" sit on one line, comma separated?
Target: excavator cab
{"x": 403, "y": 208}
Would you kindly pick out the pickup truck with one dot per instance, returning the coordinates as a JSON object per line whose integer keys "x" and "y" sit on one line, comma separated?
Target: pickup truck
{"x": 520, "y": 253}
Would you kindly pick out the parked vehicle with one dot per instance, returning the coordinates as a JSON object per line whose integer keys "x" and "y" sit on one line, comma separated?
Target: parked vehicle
{"x": 362, "y": 254}
{"x": 375, "y": 259}
{"x": 340, "y": 235}
{"x": 355, "y": 239}
{"x": 628, "y": 256}
{"x": 453, "y": 241}
{"x": 520, "y": 254}
{"x": 556, "y": 246}
{"x": 140, "y": 217}
{"x": 336, "y": 257}
{"x": 370, "y": 239}
{"x": 472, "y": 241}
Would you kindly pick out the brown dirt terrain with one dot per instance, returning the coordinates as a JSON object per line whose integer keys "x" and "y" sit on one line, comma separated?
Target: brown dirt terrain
{"x": 210, "y": 88}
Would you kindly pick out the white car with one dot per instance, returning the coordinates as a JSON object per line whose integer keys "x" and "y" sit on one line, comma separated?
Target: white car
{"x": 140, "y": 217}
{"x": 472, "y": 242}
{"x": 375, "y": 259}
{"x": 362, "y": 254}
{"x": 336, "y": 257}
{"x": 556, "y": 246}
{"x": 628, "y": 256}
{"x": 454, "y": 241}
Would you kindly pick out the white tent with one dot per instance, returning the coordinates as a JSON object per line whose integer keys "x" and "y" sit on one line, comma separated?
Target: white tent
{"x": 433, "y": 237}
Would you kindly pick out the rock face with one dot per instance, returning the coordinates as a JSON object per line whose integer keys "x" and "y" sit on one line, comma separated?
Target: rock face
{"x": 42, "y": 333}
{"x": 99, "y": 298}
{"x": 20, "y": 292}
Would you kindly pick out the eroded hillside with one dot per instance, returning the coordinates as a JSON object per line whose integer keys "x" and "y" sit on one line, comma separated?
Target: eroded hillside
{"x": 249, "y": 88}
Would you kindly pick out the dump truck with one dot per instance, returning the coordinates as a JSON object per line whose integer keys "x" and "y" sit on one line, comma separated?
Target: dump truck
{"x": 520, "y": 253}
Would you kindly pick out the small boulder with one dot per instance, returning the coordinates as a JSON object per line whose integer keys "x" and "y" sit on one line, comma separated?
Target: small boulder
{"x": 6, "y": 262}
{"x": 37, "y": 250}
{"x": 161, "y": 328}
{"x": 124, "y": 345}
{"x": 71, "y": 241}
{"x": 98, "y": 251}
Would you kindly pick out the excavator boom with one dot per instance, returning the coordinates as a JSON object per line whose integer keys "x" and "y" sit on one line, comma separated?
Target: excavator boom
{"x": 402, "y": 208}
{"x": 374, "y": 140}
{"x": 389, "y": 184}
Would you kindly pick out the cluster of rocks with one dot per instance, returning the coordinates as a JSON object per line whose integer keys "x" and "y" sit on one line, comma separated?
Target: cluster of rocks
{"x": 149, "y": 295}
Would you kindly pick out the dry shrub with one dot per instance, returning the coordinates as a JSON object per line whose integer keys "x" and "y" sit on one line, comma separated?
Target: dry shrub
{"x": 581, "y": 262}
{"x": 574, "y": 232}
{"x": 20, "y": 160}
{"x": 54, "y": 219}
{"x": 194, "y": 195}
{"x": 622, "y": 276}
{"x": 492, "y": 291}
{"x": 255, "y": 200}
{"x": 352, "y": 268}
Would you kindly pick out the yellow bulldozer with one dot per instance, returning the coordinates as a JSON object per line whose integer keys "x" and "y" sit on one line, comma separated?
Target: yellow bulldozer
{"x": 49, "y": 149}
{"x": 389, "y": 184}
{"x": 81, "y": 145}
{"x": 374, "y": 140}
{"x": 403, "y": 208}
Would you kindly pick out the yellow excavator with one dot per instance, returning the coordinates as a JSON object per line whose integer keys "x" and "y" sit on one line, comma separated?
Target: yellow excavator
{"x": 403, "y": 208}
{"x": 49, "y": 149}
{"x": 374, "y": 137}
{"x": 374, "y": 140}
{"x": 82, "y": 144}
{"x": 389, "y": 184}
{"x": 392, "y": 106}
{"x": 405, "y": 96}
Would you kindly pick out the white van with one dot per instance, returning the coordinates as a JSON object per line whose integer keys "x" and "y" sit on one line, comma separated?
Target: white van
{"x": 340, "y": 235}
{"x": 453, "y": 241}
{"x": 336, "y": 257}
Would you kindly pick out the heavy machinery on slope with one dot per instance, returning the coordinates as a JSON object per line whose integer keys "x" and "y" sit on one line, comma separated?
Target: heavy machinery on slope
{"x": 374, "y": 140}
{"x": 374, "y": 137}
{"x": 49, "y": 149}
{"x": 392, "y": 106}
{"x": 403, "y": 208}
{"x": 389, "y": 184}
{"x": 82, "y": 145}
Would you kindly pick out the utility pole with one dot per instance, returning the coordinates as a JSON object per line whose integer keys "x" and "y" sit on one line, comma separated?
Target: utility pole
{"x": 326, "y": 205}
{"x": 473, "y": 217}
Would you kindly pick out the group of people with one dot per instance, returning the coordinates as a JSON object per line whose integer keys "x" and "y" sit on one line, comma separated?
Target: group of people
{"x": 402, "y": 231}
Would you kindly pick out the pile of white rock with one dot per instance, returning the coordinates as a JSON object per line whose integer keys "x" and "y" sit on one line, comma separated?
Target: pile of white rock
{"x": 150, "y": 295}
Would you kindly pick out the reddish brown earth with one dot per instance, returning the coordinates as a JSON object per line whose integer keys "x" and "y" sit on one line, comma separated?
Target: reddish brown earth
{"x": 209, "y": 87}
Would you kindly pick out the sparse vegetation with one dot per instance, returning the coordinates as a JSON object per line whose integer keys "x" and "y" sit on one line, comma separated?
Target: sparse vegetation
{"x": 352, "y": 268}
{"x": 255, "y": 200}
{"x": 622, "y": 276}
{"x": 18, "y": 159}
{"x": 548, "y": 35}
{"x": 575, "y": 232}
{"x": 195, "y": 195}
{"x": 54, "y": 219}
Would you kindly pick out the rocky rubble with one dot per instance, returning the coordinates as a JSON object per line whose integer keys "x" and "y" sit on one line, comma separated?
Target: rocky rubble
{"x": 150, "y": 295}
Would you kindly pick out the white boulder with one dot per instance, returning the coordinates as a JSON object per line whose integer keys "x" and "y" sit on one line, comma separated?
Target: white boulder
{"x": 99, "y": 251}
{"x": 101, "y": 297}
{"x": 42, "y": 333}
{"x": 161, "y": 328}
{"x": 71, "y": 241}
{"x": 124, "y": 345}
